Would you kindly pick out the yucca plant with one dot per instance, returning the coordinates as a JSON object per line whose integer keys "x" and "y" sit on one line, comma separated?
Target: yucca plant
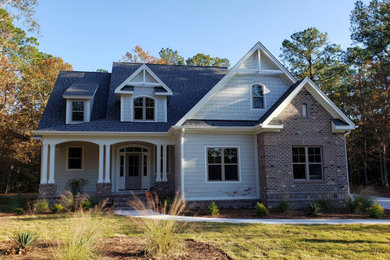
{"x": 77, "y": 185}
{"x": 161, "y": 235}
{"x": 24, "y": 239}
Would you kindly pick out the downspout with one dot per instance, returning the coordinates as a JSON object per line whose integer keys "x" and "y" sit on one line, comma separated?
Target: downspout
{"x": 182, "y": 162}
{"x": 346, "y": 161}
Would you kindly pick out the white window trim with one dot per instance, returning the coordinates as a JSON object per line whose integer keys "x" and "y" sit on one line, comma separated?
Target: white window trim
{"x": 307, "y": 163}
{"x": 133, "y": 110}
{"x": 69, "y": 110}
{"x": 264, "y": 98}
{"x": 238, "y": 161}
{"x": 67, "y": 158}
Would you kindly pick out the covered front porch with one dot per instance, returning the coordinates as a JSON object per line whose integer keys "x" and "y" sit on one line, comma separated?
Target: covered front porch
{"x": 109, "y": 166}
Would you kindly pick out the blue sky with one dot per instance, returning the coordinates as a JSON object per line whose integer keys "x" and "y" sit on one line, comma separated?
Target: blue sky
{"x": 91, "y": 34}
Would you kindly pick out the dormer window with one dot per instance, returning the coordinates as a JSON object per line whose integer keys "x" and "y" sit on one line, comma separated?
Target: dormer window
{"x": 78, "y": 111}
{"x": 144, "y": 108}
{"x": 257, "y": 96}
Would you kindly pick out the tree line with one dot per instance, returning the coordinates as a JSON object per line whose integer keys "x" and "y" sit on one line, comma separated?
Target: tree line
{"x": 357, "y": 79}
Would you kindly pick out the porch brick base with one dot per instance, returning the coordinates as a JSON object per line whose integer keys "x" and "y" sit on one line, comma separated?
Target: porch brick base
{"x": 103, "y": 189}
{"x": 47, "y": 190}
{"x": 162, "y": 189}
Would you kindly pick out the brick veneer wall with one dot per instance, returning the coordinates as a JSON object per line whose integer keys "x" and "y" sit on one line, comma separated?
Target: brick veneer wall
{"x": 275, "y": 156}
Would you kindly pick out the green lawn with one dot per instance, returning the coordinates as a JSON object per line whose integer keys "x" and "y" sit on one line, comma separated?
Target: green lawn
{"x": 243, "y": 241}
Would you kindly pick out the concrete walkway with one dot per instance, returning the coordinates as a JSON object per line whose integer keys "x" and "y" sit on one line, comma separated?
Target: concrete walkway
{"x": 153, "y": 215}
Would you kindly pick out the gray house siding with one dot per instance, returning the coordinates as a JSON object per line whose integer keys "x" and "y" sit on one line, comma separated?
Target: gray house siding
{"x": 195, "y": 178}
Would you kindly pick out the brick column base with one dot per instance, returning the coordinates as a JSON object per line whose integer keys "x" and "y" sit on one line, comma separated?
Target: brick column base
{"x": 103, "y": 189}
{"x": 47, "y": 190}
{"x": 162, "y": 189}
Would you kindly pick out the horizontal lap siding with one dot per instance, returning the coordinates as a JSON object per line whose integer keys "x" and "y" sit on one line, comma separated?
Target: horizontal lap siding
{"x": 195, "y": 184}
{"x": 233, "y": 101}
{"x": 90, "y": 171}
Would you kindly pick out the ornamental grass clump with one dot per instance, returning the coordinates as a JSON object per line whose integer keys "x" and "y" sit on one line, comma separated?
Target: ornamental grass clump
{"x": 41, "y": 206}
{"x": 314, "y": 210}
{"x": 24, "y": 239}
{"x": 359, "y": 204}
{"x": 283, "y": 206}
{"x": 212, "y": 209}
{"x": 82, "y": 237}
{"x": 161, "y": 235}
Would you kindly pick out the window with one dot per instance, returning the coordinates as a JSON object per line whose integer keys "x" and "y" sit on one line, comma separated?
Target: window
{"x": 75, "y": 158}
{"x": 304, "y": 110}
{"x": 307, "y": 162}
{"x": 143, "y": 108}
{"x": 77, "y": 111}
{"x": 222, "y": 164}
{"x": 257, "y": 96}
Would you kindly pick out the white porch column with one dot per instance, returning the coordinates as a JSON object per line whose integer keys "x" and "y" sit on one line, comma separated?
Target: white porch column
{"x": 164, "y": 163}
{"x": 101, "y": 163}
{"x": 107, "y": 179}
{"x": 52, "y": 163}
{"x": 45, "y": 148}
{"x": 158, "y": 159}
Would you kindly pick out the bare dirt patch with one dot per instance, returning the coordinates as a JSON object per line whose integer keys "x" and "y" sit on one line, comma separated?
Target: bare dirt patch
{"x": 290, "y": 214}
{"x": 121, "y": 247}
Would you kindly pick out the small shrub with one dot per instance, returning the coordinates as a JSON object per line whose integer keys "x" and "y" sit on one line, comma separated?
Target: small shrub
{"x": 76, "y": 185}
{"x": 168, "y": 201}
{"x": 161, "y": 235}
{"x": 24, "y": 239}
{"x": 314, "y": 210}
{"x": 86, "y": 204}
{"x": 359, "y": 204}
{"x": 261, "y": 210}
{"x": 376, "y": 211}
{"x": 19, "y": 211}
{"x": 57, "y": 208}
{"x": 325, "y": 204}
{"x": 212, "y": 209}
{"x": 41, "y": 206}
{"x": 283, "y": 206}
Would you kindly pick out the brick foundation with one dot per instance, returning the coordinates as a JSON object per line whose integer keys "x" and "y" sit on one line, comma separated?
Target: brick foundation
{"x": 275, "y": 156}
{"x": 162, "y": 190}
{"x": 47, "y": 190}
{"x": 103, "y": 189}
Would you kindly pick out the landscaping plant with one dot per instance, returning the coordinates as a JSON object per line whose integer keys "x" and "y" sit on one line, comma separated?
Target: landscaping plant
{"x": 261, "y": 210}
{"x": 86, "y": 204}
{"x": 57, "y": 208}
{"x": 283, "y": 206}
{"x": 212, "y": 209}
{"x": 314, "y": 210}
{"x": 76, "y": 186}
{"x": 81, "y": 241}
{"x": 24, "y": 239}
{"x": 41, "y": 206}
{"x": 376, "y": 211}
{"x": 19, "y": 211}
{"x": 359, "y": 203}
{"x": 161, "y": 235}
{"x": 325, "y": 204}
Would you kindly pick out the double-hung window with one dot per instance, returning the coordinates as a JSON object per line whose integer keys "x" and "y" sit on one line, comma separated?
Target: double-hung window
{"x": 222, "y": 164}
{"x": 257, "y": 96}
{"x": 75, "y": 158}
{"x": 307, "y": 162}
{"x": 77, "y": 111}
{"x": 143, "y": 108}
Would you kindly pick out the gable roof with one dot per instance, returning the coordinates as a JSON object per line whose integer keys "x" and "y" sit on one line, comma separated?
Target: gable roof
{"x": 143, "y": 70}
{"x": 257, "y": 48}
{"x": 187, "y": 83}
{"x": 317, "y": 93}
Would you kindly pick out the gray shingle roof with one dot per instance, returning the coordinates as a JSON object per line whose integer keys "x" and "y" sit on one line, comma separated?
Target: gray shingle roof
{"x": 222, "y": 123}
{"x": 81, "y": 89}
{"x": 188, "y": 84}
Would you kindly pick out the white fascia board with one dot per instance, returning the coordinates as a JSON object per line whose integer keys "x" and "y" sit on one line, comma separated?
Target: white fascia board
{"x": 77, "y": 97}
{"x": 320, "y": 96}
{"x": 93, "y": 133}
{"x": 135, "y": 73}
{"x": 235, "y": 69}
{"x": 341, "y": 129}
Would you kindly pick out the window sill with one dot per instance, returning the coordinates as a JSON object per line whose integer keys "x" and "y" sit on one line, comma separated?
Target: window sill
{"x": 308, "y": 181}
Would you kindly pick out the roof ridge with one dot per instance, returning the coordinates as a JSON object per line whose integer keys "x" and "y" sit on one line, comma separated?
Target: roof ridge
{"x": 172, "y": 65}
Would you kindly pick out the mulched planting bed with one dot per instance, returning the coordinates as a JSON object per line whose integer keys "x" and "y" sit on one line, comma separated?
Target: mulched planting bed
{"x": 121, "y": 247}
{"x": 273, "y": 214}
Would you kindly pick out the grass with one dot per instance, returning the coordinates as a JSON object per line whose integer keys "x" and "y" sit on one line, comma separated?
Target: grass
{"x": 239, "y": 241}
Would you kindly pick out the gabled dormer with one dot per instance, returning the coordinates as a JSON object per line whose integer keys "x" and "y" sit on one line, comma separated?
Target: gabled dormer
{"x": 79, "y": 102}
{"x": 143, "y": 97}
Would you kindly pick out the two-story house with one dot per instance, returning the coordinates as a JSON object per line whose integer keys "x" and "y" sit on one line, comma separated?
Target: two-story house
{"x": 253, "y": 132}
